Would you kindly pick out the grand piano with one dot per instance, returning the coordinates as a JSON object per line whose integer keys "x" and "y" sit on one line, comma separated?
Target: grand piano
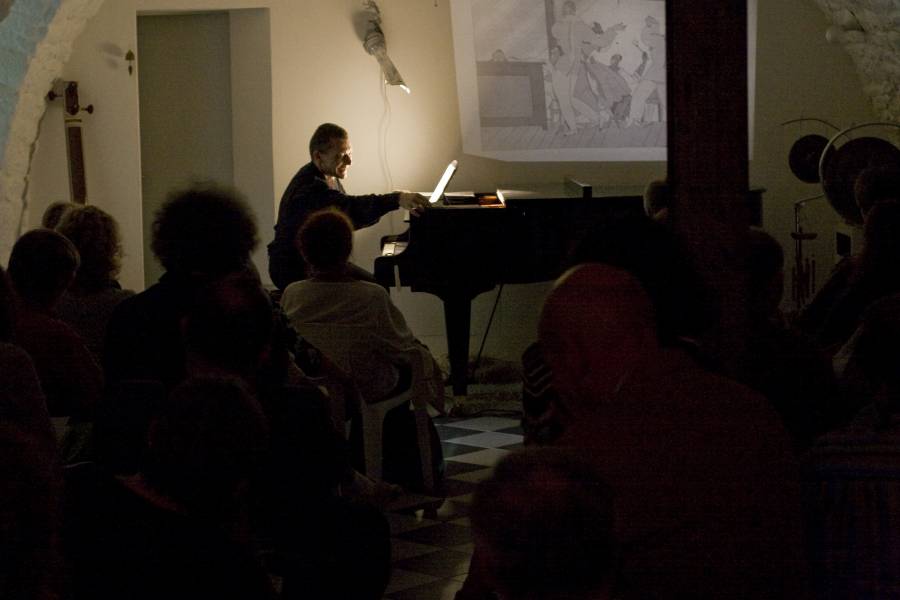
{"x": 457, "y": 251}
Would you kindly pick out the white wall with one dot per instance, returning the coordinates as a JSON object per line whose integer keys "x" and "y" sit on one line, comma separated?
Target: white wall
{"x": 111, "y": 134}
{"x": 251, "y": 130}
{"x": 321, "y": 72}
{"x": 799, "y": 75}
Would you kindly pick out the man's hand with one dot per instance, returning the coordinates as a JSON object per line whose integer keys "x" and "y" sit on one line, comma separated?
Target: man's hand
{"x": 413, "y": 202}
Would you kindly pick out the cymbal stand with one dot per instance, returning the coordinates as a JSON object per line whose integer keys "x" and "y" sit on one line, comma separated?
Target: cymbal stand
{"x": 803, "y": 273}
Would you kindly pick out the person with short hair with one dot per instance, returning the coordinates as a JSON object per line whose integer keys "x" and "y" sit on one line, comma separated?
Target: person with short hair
{"x": 701, "y": 466}
{"x": 42, "y": 266}
{"x": 333, "y": 295}
{"x": 30, "y": 478}
{"x": 318, "y": 185}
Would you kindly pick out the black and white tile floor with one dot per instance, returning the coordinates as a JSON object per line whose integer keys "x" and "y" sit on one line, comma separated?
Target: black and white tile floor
{"x": 431, "y": 537}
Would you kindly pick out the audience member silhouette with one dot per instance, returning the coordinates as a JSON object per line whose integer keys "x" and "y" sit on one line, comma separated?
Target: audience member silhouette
{"x": 706, "y": 487}
{"x": 90, "y": 300}
{"x": 543, "y": 528}
{"x": 658, "y": 200}
{"x": 30, "y": 480}
{"x": 852, "y": 475}
{"x": 875, "y": 274}
{"x": 780, "y": 362}
{"x": 683, "y": 311}
{"x": 172, "y": 530}
{"x": 332, "y": 295}
{"x": 42, "y": 265}
{"x": 319, "y": 537}
{"x": 833, "y": 313}
{"x": 701, "y": 467}
{"x": 356, "y": 322}
{"x": 199, "y": 235}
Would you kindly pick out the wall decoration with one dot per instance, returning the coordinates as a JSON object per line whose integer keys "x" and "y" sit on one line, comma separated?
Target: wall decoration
{"x": 563, "y": 80}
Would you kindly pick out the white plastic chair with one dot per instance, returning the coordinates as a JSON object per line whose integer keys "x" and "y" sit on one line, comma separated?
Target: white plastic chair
{"x": 374, "y": 368}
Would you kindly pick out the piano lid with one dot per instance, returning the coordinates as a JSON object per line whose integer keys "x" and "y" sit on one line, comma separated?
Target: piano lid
{"x": 567, "y": 190}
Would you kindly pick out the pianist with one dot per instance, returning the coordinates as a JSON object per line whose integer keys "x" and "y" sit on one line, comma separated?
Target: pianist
{"x": 317, "y": 185}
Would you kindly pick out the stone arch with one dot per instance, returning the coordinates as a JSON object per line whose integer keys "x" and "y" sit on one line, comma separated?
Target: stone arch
{"x": 869, "y": 30}
{"x": 36, "y": 39}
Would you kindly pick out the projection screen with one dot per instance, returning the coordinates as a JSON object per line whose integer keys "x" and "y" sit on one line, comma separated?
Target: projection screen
{"x": 567, "y": 80}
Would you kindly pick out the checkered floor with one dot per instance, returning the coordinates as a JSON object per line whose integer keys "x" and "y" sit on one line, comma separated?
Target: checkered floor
{"x": 431, "y": 537}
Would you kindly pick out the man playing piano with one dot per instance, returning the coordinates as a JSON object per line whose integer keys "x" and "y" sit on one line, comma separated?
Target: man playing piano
{"x": 317, "y": 185}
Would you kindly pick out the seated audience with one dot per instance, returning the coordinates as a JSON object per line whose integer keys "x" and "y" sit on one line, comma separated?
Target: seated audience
{"x": 705, "y": 481}
{"x": 327, "y": 544}
{"x": 42, "y": 265}
{"x": 780, "y": 362}
{"x": 90, "y": 300}
{"x": 30, "y": 481}
{"x": 332, "y": 295}
{"x": 229, "y": 329}
{"x": 657, "y": 200}
{"x": 355, "y": 323}
{"x": 833, "y": 313}
{"x": 23, "y": 399}
{"x": 684, "y": 309}
{"x": 852, "y": 480}
{"x": 543, "y": 528}
{"x": 171, "y": 531}
{"x": 706, "y": 487}
{"x": 199, "y": 235}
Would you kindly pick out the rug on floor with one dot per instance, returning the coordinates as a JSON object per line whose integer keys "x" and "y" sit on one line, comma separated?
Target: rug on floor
{"x": 495, "y": 388}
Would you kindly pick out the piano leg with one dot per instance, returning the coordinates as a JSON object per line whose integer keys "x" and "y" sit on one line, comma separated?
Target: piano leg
{"x": 457, "y": 318}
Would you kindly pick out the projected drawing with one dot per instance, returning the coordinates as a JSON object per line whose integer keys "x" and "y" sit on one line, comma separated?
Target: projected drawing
{"x": 562, "y": 79}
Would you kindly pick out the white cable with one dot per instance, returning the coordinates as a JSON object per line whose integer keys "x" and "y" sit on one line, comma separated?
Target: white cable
{"x": 384, "y": 128}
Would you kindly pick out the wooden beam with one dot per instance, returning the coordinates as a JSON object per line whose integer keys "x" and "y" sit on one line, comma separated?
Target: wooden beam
{"x": 706, "y": 45}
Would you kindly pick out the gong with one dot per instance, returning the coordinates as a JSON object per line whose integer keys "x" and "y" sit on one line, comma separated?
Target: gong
{"x": 839, "y": 169}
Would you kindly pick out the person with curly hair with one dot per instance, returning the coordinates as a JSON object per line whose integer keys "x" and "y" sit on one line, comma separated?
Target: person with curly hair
{"x": 200, "y": 234}
{"x": 89, "y": 302}
{"x": 54, "y": 213}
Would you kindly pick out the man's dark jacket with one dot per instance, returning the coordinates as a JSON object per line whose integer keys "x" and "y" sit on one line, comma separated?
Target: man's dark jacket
{"x": 307, "y": 193}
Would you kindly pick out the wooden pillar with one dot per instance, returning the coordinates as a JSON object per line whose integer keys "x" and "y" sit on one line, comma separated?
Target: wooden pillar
{"x": 706, "y": 46}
